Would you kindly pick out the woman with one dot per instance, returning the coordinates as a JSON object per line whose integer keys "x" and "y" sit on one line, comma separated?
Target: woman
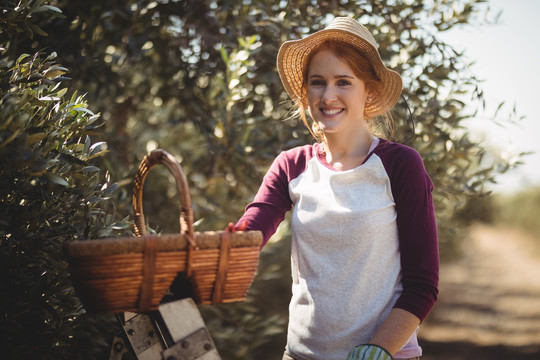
{"x": 364, "y": 241}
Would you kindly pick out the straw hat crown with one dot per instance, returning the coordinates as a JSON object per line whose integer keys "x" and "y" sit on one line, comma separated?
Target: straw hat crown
{"x": 294, "y": 54}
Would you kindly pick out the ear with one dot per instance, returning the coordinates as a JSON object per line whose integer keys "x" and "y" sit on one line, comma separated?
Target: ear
{"x": 370, "y": 95}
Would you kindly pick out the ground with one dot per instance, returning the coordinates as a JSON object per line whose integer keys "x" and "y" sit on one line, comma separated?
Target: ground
{"x": 489, "y": 301}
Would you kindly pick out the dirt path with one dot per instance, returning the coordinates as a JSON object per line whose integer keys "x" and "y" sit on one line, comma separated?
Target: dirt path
{"x": 489, "y": 302}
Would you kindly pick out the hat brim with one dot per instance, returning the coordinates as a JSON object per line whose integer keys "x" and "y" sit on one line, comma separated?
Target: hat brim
{"x": 293, "y": 56}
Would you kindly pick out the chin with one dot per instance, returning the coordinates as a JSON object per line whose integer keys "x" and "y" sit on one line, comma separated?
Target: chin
{"x": 325, "y": 128}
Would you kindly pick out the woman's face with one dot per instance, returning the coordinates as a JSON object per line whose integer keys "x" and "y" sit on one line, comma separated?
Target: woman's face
{"x": 336, "y": 97}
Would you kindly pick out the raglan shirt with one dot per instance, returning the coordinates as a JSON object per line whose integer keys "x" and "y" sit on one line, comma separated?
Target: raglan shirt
{"x": 364, "y": 241}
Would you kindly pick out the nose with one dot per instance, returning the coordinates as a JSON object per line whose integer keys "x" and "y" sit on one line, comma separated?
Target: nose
{"x": 329, "y": 94}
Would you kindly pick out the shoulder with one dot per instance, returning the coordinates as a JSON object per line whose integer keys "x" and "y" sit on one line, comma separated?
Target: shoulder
{"x": 291, "y": 163}
{"x": 397, "y": 157}
{"x": 299, "y": 153}
{"x": 297, "y": 157}
{"x": 392, "y": 150}
{"x": 404, "y": 167}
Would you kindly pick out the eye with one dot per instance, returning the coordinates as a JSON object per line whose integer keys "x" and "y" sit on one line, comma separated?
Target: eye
{"x": 316, "y": 82}
{"x": 343, "y": 82}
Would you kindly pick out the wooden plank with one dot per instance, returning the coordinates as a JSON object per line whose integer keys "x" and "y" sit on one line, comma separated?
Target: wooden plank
{"x": 182, "y": 319}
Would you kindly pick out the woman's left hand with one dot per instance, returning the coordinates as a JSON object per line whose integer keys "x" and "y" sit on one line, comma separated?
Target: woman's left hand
{"x": 368, "y": 351}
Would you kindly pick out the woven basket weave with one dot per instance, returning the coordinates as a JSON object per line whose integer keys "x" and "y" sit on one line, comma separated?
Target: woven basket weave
{"x": 134, "y": 274}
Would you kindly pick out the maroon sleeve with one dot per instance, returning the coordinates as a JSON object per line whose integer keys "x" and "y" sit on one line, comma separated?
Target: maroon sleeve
{"x": 417, "y": 229}
{"x": 272, "y": 201}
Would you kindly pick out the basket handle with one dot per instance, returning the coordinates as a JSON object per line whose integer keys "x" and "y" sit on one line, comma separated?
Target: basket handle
{"x": 154, "y": 158}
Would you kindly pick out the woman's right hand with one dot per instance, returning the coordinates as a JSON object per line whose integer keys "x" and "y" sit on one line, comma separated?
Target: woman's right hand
{"x": 241, "y": 227}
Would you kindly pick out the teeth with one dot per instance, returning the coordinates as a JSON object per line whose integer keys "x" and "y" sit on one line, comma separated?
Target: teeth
{"x": 331, "y": 111}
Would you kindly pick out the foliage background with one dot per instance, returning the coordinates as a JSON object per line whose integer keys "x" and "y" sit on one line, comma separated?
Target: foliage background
{"x": 198, "y": 79}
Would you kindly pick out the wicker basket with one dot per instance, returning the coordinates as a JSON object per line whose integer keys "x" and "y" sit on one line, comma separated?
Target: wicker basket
{"x": 134, "y": 274}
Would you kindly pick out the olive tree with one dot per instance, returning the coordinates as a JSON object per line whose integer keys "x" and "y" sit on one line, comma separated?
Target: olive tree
{"x": 198, "y": 79}
{"x": 52, "y": 190}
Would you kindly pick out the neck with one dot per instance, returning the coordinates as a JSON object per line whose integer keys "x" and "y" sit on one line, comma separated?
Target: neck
{"x": 347, "y": 153}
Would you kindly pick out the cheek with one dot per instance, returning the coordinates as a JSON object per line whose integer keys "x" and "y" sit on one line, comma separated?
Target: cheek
{"x": 311, "y": 96}
{"x": 311, "y": 99}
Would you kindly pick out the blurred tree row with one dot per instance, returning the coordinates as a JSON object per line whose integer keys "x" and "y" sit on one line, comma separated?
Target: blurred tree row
{"x": 198, "y": 79}
{"x": 520, "y": 211}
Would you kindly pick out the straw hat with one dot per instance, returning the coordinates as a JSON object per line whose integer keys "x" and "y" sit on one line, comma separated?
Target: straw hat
{"x": 293, "y": 55}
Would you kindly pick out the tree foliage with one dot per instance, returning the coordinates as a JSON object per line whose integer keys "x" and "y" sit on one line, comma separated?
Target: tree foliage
{"x": 198, "y": 78}
{"x": 50, "y": 192}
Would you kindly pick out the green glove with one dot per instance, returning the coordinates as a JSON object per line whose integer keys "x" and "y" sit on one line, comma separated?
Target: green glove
{"x": 368, "y": 352}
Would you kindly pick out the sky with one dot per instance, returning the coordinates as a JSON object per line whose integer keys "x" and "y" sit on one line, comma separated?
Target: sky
{"x": 507, "y": 58}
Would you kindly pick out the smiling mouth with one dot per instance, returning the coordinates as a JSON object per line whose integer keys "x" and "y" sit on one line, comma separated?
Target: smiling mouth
{"x": 332, "y": 111}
